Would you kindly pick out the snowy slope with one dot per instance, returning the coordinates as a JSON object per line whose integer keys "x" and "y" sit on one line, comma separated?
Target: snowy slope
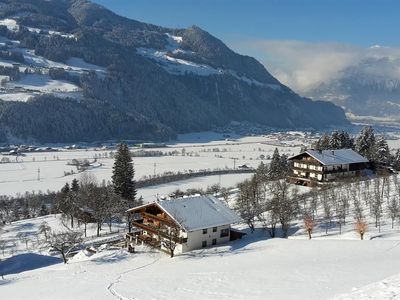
{"x": 388, "y": 288}
{"x": 250, "y": 269}
{"x": 178, "y": 66}
{"x": 31, "y": 85}
{"x": 43, "y": 83}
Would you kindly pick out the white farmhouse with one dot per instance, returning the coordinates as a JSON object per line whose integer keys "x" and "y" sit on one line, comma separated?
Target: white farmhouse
{"x": 190, "y": 223}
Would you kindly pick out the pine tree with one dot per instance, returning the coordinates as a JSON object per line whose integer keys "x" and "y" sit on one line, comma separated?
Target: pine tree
{"x": 123, "y": 174}
{"x": 381, "y": 151}
{"x": 285, "y": 165}
{"x": 396, "y": 160}
{"x": 334, "y": 141}
{"x": 274, "y": 171}
{"x": 323, "y": 142}
{"x": 262, "y": 172}
{"x": 346, "y": 142}
{"x": 122, "y": 179}
{"x": 75, "y": 185}
{"x": 366, "y": 142}
{"x": 66, "y": 203}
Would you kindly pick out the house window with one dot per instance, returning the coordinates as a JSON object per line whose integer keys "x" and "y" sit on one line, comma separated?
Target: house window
{"x": 225, "y": 232}
{"x": 215, "y": 229}
{"x": 205, "y": 231}
{"x": 214, "y": 241}
{"x": 204, "y": 244}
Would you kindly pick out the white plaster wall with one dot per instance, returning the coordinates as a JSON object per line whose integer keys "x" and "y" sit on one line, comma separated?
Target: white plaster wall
{"x": 195, "y": 238}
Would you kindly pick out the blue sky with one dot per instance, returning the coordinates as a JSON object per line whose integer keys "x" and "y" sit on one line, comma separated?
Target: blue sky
{"x": 301, "y": 42}
{"x": 362, "y": 22}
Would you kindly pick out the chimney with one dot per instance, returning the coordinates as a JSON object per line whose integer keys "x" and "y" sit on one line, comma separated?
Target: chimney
{"x": 333, "y": 152}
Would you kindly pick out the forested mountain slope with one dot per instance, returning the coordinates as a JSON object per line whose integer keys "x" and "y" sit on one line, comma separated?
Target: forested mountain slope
{"x": 87, "y": 67}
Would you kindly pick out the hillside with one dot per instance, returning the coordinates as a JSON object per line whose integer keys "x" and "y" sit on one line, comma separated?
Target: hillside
{"x": 252, "y": 268}
{"x": 116, "y": 78}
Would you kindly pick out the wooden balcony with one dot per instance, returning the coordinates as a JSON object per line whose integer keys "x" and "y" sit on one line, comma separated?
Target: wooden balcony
{"x": 157, "y": 218}
{"x": 146, "y": 227}
{"x": 309, "y": 170}
{"x": 158, "y": 232}
{"x": 149, "y": 240}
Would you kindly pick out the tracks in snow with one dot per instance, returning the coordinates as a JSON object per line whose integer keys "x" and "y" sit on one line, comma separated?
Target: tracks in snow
{"x": 111, "y": 286}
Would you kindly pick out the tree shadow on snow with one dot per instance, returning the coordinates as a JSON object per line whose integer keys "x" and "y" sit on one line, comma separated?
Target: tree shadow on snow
{"x": 26, "y": 262}
{"x": 22, "y": 227}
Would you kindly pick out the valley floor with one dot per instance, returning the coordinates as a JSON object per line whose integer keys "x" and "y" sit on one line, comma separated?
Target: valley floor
{"x": 253, "y": 268}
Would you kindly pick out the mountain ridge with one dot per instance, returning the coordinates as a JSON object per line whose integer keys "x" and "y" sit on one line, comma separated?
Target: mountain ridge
{"x": 164, "y": 81}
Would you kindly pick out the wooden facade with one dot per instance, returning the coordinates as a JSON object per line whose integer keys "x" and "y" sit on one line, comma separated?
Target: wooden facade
{"x": 151, "y": 222}
{"x": 307, "y": 170}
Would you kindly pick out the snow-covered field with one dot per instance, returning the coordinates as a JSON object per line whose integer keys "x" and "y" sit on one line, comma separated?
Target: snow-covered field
{"x": 50, "y": 167}
{"x": 253, "y": 268}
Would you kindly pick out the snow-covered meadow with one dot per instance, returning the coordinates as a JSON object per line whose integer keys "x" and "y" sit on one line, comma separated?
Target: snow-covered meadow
{"x": 42, "y": 171}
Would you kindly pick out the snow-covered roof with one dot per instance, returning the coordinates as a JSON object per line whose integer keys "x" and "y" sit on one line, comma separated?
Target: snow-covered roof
{"x": 336, "y": 157}
{"x": 195, "y": 213}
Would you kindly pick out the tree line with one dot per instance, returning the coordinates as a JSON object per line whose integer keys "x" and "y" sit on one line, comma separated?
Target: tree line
{"x": 373, "y": 147}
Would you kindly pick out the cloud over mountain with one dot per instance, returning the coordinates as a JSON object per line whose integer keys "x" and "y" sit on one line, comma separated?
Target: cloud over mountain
{"x": 304, "y": 65}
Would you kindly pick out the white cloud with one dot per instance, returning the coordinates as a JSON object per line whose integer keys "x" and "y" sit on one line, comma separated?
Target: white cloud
{"x": 302, "y": 65}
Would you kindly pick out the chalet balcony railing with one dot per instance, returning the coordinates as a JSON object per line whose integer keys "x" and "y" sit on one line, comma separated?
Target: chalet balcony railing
{"x": 150, "y": 241}
{"x": 158, "y": 231}
{"x": 146, "y": 227}
{"x": 157, "y": 218}
{"x": 321, "y": 171}
{"x": 308, "y": 170}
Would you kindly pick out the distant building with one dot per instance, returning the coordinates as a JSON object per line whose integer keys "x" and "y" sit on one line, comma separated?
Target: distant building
{"x": 202, "y": 221}
{"x": 313, "y": 166}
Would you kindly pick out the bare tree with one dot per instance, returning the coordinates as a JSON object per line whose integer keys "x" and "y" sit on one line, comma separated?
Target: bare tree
{"x": 361, "y": 228}
{"x": 366, "y": 193}
{"x": 170, "y": 236}
{"x": 393, "y": 209}
{"x": 341, "y": 207}
{"x": 270, "y": 218}
{"x": 3, "y": 246}
{"x": 309, "y": 225}
{"x": 45, "y": 229}
{"x": 314, "y": 201}
{"x": 327, "y": 208}
{"x": 24, "y": 238}
{"x": 386, "y": 188}
{"x": 287, "y": 203}
{"x": 64, "y": 242}
{"x": 248, "y": 203}
{"x": 377, "y": 199}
